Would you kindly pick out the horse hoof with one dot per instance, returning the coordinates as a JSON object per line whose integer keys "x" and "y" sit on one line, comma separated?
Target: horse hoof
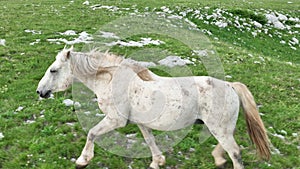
{"x": 154, "y": 166}
{"x": 81, "y": 166}
{"x": 221, "y": 166}
{"x": 220, "y": 163}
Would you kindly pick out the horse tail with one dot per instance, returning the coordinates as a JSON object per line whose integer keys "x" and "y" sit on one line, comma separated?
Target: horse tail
{"x": 255, "y": 126}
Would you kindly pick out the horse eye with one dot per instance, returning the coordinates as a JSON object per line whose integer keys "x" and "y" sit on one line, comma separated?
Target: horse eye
{"x": 53, "y": 70}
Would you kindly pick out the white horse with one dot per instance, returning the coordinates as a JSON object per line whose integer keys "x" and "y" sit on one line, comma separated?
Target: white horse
{"x": 129, "y": 92}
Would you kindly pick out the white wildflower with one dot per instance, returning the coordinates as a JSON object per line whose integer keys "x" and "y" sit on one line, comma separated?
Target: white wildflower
{"x": 20, "y": 108}
{"x": 2, "y": 42}
{"x": 86, "y": 3}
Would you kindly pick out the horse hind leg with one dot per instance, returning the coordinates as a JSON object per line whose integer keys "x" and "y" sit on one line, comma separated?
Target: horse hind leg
{"x": 218, "y": 154}
{"x": 233, "y": 150}
{"x": 224, "y": 134}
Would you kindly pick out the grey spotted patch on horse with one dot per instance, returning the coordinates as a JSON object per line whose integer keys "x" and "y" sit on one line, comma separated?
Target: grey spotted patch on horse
{"x": 185, "y": 92}
{"x": 209, "y": 81}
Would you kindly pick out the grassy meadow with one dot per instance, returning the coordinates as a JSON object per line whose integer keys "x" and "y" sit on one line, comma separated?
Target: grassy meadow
{"x": 46, "y": 134}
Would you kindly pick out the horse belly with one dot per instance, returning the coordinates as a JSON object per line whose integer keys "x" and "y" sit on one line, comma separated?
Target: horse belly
{"x": 168, "y": 116}
{"x": 172, "y": 121}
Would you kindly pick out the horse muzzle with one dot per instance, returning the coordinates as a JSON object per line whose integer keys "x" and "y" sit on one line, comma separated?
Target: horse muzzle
{"x": 44, "y": 94}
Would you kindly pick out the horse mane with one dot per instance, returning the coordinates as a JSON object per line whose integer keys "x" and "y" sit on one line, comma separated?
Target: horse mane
{"x": 142, "y": 72}
{"x": 97, "y": 62}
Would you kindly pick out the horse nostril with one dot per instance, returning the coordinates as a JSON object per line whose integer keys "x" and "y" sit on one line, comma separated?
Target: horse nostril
{"x": 38, "y": 92}
{"x": 48, "y": 93}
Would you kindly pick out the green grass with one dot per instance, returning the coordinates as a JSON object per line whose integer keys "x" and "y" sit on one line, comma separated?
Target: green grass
{"x": 260, "y": 62}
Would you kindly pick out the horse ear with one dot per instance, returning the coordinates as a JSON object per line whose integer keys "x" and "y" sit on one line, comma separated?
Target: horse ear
{"x": 68, "y": 54}
{"x": 71, "y": 48}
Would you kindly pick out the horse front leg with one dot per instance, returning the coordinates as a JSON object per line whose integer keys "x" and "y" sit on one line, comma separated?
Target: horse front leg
{"x": 106, "y": 125}
{"x": 157, "y": 158}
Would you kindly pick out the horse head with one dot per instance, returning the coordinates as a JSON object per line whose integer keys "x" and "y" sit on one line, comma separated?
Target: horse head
{"x": 58, "y": 76}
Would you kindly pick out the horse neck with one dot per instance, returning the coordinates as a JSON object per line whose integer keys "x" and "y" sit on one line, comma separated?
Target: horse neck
{"x": 95, "y": 70}
{"x": 100, "y": 70}
{"x": 83, "y": 67}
